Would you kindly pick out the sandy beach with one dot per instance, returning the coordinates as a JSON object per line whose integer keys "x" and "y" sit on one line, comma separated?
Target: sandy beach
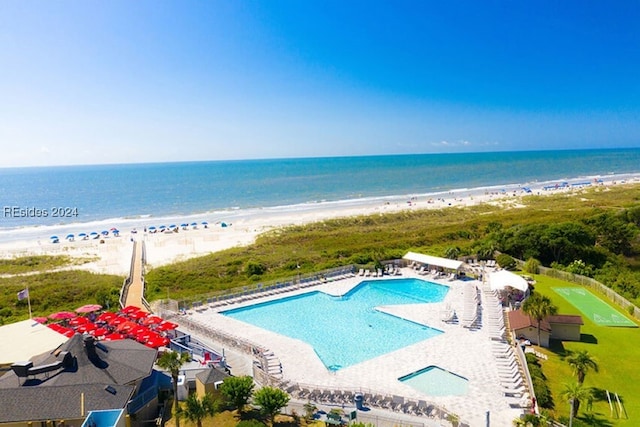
{"x": 112, "y": 255}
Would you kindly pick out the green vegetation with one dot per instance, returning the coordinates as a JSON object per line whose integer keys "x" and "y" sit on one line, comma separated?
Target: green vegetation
{"x": 196, "y": 409}
{"x": 616, "y": 352}
{"x": 50, "y": 292}
{"x": 539, "y": 307}
{"x": 237, "y": 391}
{"x": 172, "y": 361}
{"x": 271, "y": 401}
{"x": 540, "y": 387}
{"x": 28, "y": 264}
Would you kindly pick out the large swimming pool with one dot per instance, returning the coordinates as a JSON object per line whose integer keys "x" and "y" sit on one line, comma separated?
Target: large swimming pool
{"x": 349, "y": 329}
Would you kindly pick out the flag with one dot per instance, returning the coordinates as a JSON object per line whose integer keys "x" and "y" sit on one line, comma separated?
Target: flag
{"x": 23, "y": 294}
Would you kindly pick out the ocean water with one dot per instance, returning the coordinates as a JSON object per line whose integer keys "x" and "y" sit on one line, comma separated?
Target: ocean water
{"x": 48, "y": 196}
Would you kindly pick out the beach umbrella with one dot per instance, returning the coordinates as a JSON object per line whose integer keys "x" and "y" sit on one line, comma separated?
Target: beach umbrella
{"x": 106, "y": 316}
{"x": 194, "y": 224}
{"x": 54, "y": 239}
{"x": 113, "y": 229}
{"x": 105, "y": 232}
{"x": 223, "y": 224}
{"x": 88, "y": 308}
{"x": 130, "y": 309}
{"x": 114, "y": 337}
{"x": 82, "y": 235}
{"x": 40, "y": 319}
{"x": 118, "y": 320}
{"x": 79, "y": 320}
{"x": 94, "y": 234}
{"x": 172, "y": 226}
{"x": 205, "y": 224}
{"x": 183, "y": 225}
{"x": 61, "y": 315}
{"x": 152, "y": 228}
{"x": 137, "y": 315}
{"x": 162, "y": 227}
{"x": 116, "y": 233}
{"x": 126, "y": 326}
{"x": 156, "y": 342}
{"x": 166, "y": 326}
{"x": 152, "y": 320}
{"x": 70, "y": 237}
{"x": 86, "y": 327}
{"x": 138, "y": 330}
{"x": 99, "y": 332}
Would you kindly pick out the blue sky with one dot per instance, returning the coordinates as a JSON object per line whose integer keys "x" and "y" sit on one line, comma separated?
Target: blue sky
{"x": 120, "y": 81}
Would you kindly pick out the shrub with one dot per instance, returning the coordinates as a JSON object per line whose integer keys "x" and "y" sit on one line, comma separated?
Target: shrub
{"x": 506, "y": 261}
{"x": 531, "y": 266}
{"x": 250, "y": 423}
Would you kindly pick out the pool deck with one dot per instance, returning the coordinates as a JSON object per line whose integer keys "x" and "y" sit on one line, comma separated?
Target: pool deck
{"x": 464, "y": 351}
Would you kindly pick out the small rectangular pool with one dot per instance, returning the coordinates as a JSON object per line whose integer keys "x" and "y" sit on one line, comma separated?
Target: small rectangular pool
{"x": 435, "y": 381}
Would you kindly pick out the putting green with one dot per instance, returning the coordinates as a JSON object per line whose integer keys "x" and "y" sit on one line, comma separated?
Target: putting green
{"x": 594, "y": 308}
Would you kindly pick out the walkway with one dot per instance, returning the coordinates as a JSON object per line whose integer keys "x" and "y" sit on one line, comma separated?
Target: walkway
{"x": 135, "y": 291}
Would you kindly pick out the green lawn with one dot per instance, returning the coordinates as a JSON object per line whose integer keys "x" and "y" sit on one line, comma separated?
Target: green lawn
{"x": 616, "y": 350}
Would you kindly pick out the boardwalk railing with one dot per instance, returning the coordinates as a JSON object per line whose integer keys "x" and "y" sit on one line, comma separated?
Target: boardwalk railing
{"x": 127, "y": 282}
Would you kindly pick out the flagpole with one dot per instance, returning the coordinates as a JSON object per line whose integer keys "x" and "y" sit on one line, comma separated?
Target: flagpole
{"x": 29, "y": 302}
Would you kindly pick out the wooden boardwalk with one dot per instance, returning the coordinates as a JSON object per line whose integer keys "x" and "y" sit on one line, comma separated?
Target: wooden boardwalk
{"x": 135, "y": 292}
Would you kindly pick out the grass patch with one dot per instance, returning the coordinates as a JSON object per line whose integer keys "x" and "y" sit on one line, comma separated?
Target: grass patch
{"x": 28, "y": 264}
{"x": 617, "y": 353}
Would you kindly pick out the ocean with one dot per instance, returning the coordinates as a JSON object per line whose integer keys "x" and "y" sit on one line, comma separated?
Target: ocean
{"x": 35, "y": 199}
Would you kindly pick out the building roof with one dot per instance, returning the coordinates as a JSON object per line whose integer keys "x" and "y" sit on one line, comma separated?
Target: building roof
{"x": 447, "y": 263}
{"x": 119, "y": 365}
{"x": 63, "y": 403}
{"x": 27, "y": 339}
{"x": 566, "y": 319}
{"x": 519, "y": 320}
{"x": 211, "y": 376}
{"x": 118, "y": 362}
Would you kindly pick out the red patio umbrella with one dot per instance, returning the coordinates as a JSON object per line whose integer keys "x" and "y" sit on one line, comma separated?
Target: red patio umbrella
{"x": 79, "y": 320}
{"x": 152, "y": 320}
{"x": 118, "y": 320}
{"x": 130, "y": 309}
{"x": 86, "y": 327}
{"x": 126, "y": 326}
{"x": 166, "y": 326}
{"x": 89, "y": 308}
{"x": 61, "y": 315}
{"x": 137, "y": 315}
{"x": 114, "y": 337}
{"x": 98, "y": 332}
{"x": 40, "y": 319}
{"x": 156, "y": 342}
{"x": 106, "y": 316}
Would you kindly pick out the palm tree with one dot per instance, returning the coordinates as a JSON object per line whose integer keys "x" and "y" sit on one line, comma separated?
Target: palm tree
{"x": 198, "y": 409}
{"x": 575, "y": 393}
{"x": 581, "y": 362}
{"x": 172, "y": 361}
{"x": 539, "y": 307}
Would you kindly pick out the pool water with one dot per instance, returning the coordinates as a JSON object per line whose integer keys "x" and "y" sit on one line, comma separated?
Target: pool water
{"x": 348, "y": 330}
{"x": 436, "y": 381}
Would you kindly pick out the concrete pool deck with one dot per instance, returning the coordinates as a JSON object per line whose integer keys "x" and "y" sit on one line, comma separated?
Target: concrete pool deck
{"x": 464, "y": 351}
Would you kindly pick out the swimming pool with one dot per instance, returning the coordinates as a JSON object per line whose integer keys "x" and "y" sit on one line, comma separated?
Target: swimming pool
{"x": 436, "y": 381}
{"x": 349, "y": 329}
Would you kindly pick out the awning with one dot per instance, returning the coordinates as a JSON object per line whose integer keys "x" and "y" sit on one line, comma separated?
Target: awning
{"x": 450, "y": 264}
{"x": 499, "y": 280}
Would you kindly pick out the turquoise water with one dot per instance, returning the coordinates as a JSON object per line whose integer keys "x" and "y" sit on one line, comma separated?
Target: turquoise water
{"x": 436, "y": 381}
{"x": 348, "y": 330}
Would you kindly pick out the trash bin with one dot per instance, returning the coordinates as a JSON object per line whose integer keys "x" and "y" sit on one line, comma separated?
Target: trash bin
{"x": 358, "y": 399}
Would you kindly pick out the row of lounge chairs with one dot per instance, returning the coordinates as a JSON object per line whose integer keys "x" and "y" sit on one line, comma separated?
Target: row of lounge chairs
{"x": 390, "y": 270}
{"x": 262, "y": 291}
{"x": 470, "y": 305}
{"x": 389, "y": 402}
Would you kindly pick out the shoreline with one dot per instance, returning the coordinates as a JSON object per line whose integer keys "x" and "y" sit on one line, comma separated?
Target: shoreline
{"x": 242, "y": 227}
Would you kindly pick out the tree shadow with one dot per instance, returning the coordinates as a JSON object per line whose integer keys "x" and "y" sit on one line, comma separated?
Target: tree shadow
{"x": 594, "y": 420}
{"x": 588, "y": 339}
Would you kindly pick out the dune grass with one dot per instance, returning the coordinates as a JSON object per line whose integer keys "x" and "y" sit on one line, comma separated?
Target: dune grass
{"x": 617, "y": 352}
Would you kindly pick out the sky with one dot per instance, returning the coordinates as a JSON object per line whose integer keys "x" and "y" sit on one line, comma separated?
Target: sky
{"x": 89, "y": 82}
